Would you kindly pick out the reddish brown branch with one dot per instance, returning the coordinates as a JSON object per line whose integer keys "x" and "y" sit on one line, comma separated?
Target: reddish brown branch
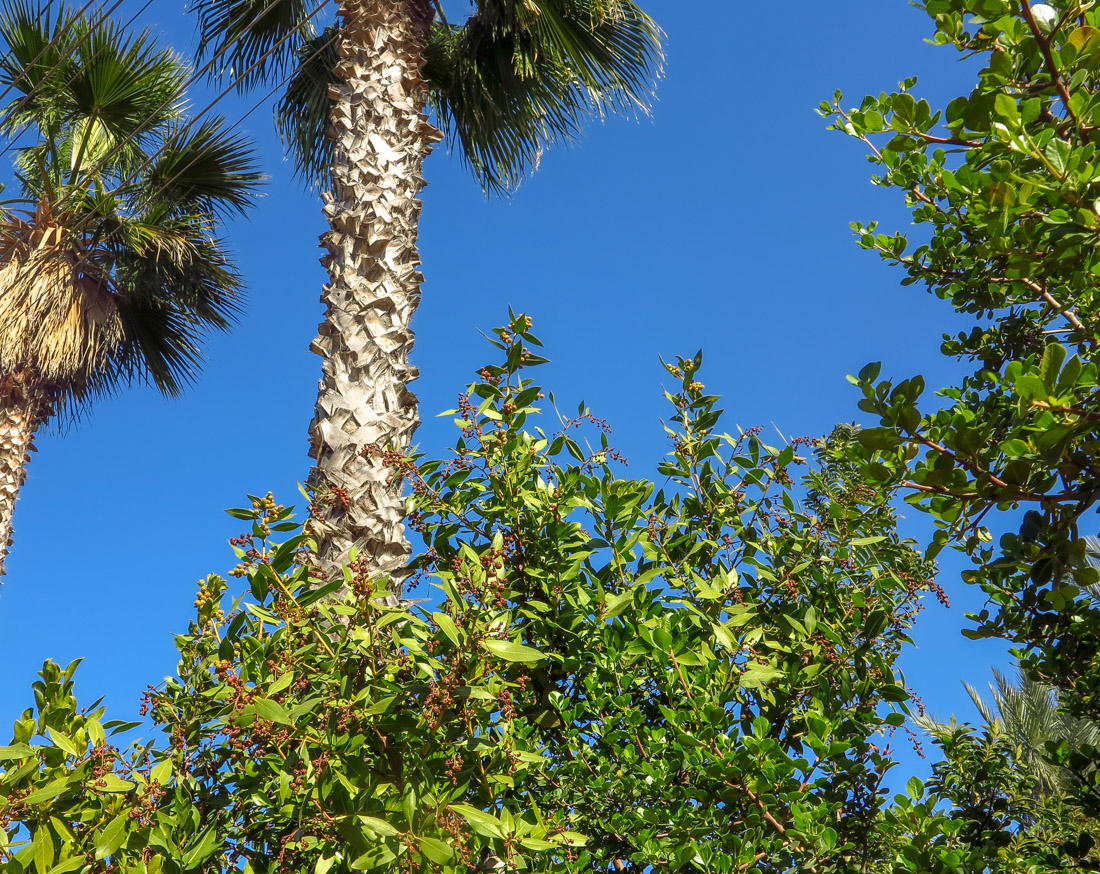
{"x": 1067, "y": 312}
{"x": 1073, "y": 411}
{"x": 974, "y": 496}
{"x": 972, "y": 466}
{"x": 755, "y": 799}
{"x": 1048, "y": 58}
{"x": 946, "y": 141}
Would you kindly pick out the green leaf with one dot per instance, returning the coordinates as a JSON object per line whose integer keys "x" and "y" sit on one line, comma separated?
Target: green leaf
{"x": 893, "y": 693}
{"x": 272, "y": 711}
{"x": 879, "y": 438}
{"x": 380, "y": 706}
{"x": 201, "y": 849}
{"x": 1015, "y": 448}
{"x": 538, "y": 845}
{"x": 44, "y": 854}
{"x": 283, "y": 682}
{"x": 617, "y": 604}
{"x": 435, "y": 850}
{"x": 15, "y": 752}
{"x": 448, "y": 627}
{"x": 111, "y": 836}
{"x": 69, "y": 865}
{"x": 114, "y": 783}
{"x": 63, "y": 742}
{"x": 162, "y": 772}
{"x": 483, "y": 823}
{"x": 1058, "y": 152}
{"x": 1006, "y": 107}
{"x": 757, "y": 675}
{"x": 378, "y": 826}
{"x": 1051, "y": 365}
{"x": 375, "y": 857}
{"x": 51, "y": 790}
{"x": 512, "y": 652}
{"x": 866, "y": 541}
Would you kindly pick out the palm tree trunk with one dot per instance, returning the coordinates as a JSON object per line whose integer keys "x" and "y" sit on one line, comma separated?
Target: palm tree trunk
{"x": 24, "y": 406}
{"x": 382, "y": 137}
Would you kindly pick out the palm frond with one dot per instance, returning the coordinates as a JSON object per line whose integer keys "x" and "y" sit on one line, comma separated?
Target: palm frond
{"x": 516, "y": 79}
{"x": 116, "y": 272}
{"x": 161, "y": 346}
{"x": 257, "y": 35}
{"x": 56, "y": 319}
{"x": 207, "y": 168}
{"x": 88, "y": 80}
{"x": 125, "y": 82}
{"x": 302, "y": 116}
{"x": 1029, "y": 714}
{"x": 987, "y": 712}
{"x": 1092, "y": 556}
{"x": 169, "y": 294}
{"x": 38, "y": 43}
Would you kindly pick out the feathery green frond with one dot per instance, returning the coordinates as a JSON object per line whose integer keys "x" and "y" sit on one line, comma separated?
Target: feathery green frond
{"x": 516, "y": 79}
{"x": 256, "y": 39}
{"x": 301, "y": 116}
{"x": 1028, "y": 713}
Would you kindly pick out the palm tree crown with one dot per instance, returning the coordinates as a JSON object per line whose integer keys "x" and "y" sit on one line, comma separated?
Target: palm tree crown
{"x": 110, "y": 266}
{"x": 510, "y": 81}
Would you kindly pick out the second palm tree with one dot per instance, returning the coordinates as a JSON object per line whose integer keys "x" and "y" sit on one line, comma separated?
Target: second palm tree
{"x": 110, "y": 265}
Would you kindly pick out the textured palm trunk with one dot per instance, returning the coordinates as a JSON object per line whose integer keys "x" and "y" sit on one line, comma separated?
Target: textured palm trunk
{"x": 23, "y": 407}
{"x": 382, "y": 137}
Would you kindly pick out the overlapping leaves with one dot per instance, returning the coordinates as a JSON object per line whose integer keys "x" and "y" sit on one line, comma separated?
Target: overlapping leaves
{"x": 611, "y": 675}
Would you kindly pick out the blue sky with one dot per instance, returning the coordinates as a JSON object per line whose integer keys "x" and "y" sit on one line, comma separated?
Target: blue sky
{"x": 721, "y": 223}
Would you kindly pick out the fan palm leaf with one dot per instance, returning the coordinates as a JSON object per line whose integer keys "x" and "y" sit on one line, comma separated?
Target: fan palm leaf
{"x": 256, "y": 39}
{"x": 510, "y": 85}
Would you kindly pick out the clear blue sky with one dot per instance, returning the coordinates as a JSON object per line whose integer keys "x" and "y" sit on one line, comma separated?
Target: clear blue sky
{"x": 720, "y": 223}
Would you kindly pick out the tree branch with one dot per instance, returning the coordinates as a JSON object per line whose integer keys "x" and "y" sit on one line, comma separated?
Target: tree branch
{"x": 946, "y": 141}
{"x": 1066, "y": 312}
{"x": 1048, "y": 58}
{"x": 1091, "y": 415}
{"x": 972, "y": 466}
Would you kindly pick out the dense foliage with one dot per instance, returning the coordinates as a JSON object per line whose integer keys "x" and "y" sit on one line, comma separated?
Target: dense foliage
{"x": 697, "y": 676}
{"x": 1004, "y": 179}
{"x": 615, "y": 677}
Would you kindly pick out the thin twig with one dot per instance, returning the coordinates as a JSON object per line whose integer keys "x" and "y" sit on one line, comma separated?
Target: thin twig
{"x": 1052, "y": 68}
{"x": 945, "y": 141}
{"x": 972, "y": 466}
{"x": 1066, "y": 312}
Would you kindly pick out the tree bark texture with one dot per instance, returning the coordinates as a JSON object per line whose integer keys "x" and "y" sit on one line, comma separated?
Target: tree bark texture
{"x": 24, "y": 406}
{"x": 382, "y": 137}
